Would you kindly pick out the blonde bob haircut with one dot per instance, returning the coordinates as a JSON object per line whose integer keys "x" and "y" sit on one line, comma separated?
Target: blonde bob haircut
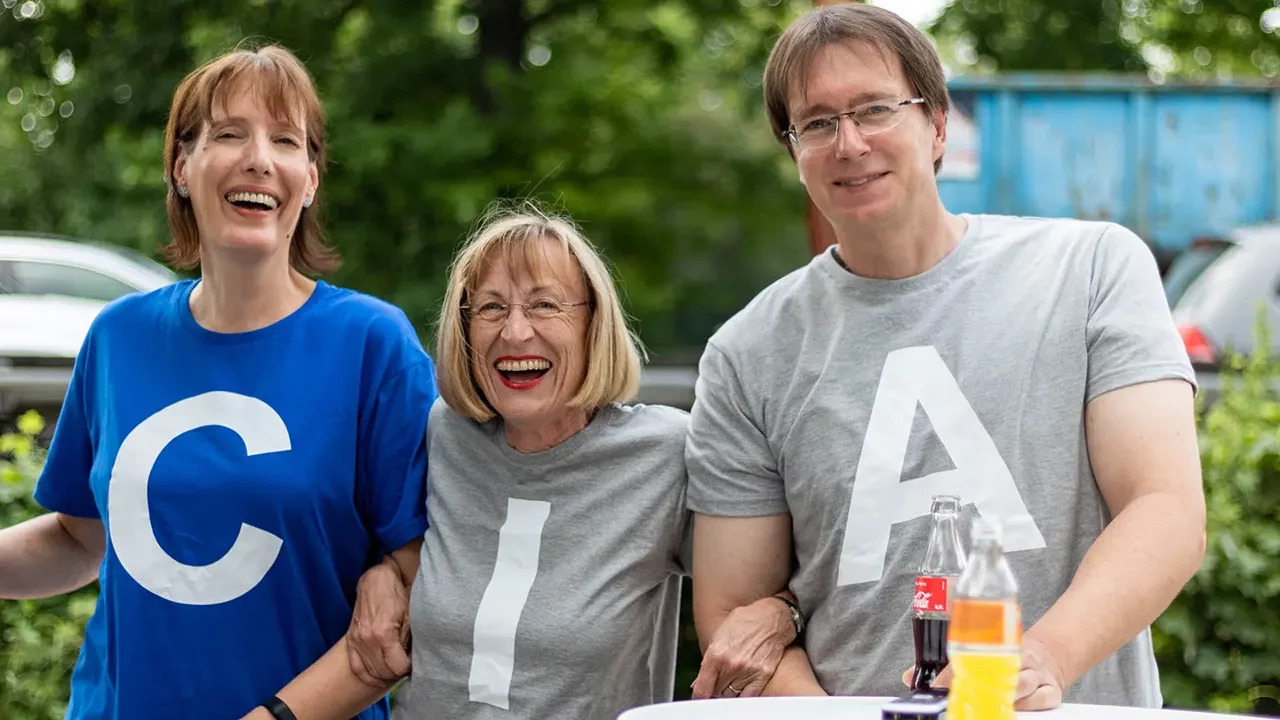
{"x": 511, "y": 236}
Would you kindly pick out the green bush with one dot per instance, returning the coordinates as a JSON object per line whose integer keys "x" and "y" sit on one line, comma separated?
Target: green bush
{"x": 1218, "y": 645}
{"x": 39, "y": 639}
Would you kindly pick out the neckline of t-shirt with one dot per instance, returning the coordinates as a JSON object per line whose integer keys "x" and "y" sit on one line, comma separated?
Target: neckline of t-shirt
{"x": 602, "y": 419}
{"x": 214, "y": 337}
{"x": 872, "y": 287}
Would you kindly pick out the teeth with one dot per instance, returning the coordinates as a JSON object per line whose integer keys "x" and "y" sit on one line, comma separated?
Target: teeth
{"x": 523, "y": 365}
{"x": 260, "y": 198}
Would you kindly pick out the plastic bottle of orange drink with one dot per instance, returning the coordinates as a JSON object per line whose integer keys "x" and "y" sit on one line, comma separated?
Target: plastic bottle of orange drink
{"x": 984, "y": 642}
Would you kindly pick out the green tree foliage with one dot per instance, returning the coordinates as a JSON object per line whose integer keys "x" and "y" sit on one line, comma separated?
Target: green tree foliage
{"x": 643, "y": 120}
{"x": 1041, "y": 34}
{"x": 1172, "y": 38}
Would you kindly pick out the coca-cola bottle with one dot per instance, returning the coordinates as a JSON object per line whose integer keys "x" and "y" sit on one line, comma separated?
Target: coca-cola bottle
{"x": 944, "y": 561}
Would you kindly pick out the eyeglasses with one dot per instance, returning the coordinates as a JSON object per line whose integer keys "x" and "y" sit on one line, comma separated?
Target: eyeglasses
{"x": 870, "y": 118}
{"x": 492, "y": 311}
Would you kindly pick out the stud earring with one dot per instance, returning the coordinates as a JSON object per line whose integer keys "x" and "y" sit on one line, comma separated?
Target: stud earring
{"x": 182, "y": 190}
{"x": 306, "y": 202}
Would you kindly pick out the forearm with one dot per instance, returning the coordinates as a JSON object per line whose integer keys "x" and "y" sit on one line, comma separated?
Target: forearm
{"x": 327, "y": 690}
{"x": 1132, "y": 573}
{"x": 39, "y": 559}
{"x": 404, "y": 562}
{"x": 794, "y": 675}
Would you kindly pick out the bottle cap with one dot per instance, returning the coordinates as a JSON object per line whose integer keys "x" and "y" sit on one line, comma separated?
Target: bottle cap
{"x": 946, "y": 504}
{"x": 987, "y": 528}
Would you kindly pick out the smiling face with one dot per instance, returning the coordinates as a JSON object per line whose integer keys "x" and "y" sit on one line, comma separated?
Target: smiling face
{"x": 857, "y": 179}
{"x": 530, "y": 363}
{"x": 248, "y": 175}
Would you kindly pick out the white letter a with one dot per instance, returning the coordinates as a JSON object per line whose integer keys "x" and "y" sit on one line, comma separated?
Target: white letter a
{"x": 879, "y": 499}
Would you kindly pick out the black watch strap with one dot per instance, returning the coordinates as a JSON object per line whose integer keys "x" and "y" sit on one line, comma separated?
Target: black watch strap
{"x": 797, "y": 617}
{"x": 278, "y": 709}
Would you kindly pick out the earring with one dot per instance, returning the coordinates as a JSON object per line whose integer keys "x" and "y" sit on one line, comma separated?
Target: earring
{"x": 306, "y": 202}
{"x": 182, "y": 190}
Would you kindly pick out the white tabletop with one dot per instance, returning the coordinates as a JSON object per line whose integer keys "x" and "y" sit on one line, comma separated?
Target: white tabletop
{"x": 864, "y": 708}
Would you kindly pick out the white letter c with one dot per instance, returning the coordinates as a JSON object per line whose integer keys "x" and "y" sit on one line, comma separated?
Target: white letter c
{"x": 129, "y": 514}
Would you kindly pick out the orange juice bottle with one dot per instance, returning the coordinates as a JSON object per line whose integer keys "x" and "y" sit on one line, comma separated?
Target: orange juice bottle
{"x": 984, "y": 642}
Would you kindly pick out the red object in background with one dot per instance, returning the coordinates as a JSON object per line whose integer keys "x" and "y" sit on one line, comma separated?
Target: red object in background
{"x": 1199, "y": 350}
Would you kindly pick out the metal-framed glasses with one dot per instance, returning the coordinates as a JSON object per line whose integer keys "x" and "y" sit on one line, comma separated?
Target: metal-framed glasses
{"x": 870, "y": 118}
{"x": 495, "y": 311}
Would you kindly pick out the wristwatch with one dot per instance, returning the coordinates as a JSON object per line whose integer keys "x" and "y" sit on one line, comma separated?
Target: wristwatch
{"x": 797, "y": 617}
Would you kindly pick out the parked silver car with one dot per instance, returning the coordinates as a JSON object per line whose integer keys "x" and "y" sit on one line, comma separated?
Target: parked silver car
{"x": 51, "y": 289}
{"x": 1216, "y": 289}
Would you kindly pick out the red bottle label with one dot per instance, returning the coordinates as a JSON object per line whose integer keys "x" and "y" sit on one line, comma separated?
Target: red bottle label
{"x": 931, "y": 595}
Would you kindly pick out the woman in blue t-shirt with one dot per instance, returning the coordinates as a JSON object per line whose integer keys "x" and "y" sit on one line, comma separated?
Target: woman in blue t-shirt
{"x": 234, "y": 451}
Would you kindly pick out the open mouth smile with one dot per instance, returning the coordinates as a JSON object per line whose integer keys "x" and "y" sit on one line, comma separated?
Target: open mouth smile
{"x": 253, "y": 201}
{"x": 522, "y": 373}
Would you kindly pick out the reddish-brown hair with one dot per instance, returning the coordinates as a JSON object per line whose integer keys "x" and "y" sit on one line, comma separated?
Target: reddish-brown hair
{"x": 283, "y": 83}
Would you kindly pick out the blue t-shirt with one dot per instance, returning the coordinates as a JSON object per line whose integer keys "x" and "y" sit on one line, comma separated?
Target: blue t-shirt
{"x": 246, "y": 481}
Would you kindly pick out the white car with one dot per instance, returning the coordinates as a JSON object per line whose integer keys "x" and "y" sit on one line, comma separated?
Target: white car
{"x": 51, "y": 289}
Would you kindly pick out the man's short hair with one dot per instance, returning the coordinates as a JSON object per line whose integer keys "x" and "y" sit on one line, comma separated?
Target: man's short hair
{"x": 792, "y": 57}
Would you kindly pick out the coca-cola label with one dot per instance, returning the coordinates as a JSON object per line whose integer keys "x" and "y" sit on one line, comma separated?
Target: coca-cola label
{"x": 931, "y": 595}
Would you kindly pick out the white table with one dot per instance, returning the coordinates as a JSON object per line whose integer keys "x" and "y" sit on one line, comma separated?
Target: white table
{"x": 866, "y": 708}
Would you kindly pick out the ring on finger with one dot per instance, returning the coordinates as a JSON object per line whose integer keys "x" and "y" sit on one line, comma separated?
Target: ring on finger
{"x": 734, "y": 690}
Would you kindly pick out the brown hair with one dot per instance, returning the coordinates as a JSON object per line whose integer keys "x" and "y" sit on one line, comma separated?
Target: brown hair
{"x": 511, "y": 235}
{"x": 792, "y": 57}
{"x": 283, "y": 82}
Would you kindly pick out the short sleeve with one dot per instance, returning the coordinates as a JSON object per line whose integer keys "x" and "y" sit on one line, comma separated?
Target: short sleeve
{"x": 732, "y": 469}
{"x": 393, "y": 480}
{"x": 63, "y": 485}
{"x": 1130, "y": 334}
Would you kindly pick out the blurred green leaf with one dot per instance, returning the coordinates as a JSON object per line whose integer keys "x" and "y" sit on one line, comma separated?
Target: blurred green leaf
{"x": 30, "y": 424}
{"x": 1216, "y": 643}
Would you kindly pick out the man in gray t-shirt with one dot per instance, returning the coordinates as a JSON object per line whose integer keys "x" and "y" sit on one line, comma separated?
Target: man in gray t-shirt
{"x": 1029, "y": 366}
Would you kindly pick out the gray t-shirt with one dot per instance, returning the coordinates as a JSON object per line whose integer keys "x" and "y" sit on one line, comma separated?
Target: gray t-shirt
{"x": 549, "y": 585}
{"x": 850, "y": 401}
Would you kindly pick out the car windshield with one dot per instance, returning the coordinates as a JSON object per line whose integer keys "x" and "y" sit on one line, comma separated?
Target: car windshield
{"x": 1188, "y": 266}
{"x": 136, "y": 258}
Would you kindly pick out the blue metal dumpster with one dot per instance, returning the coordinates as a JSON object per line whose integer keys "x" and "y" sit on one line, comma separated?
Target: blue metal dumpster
{"x": 1170, "y": 161}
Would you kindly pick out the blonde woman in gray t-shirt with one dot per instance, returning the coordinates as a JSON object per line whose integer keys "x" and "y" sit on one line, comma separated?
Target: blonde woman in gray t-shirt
{"x": 549, "y": 582}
